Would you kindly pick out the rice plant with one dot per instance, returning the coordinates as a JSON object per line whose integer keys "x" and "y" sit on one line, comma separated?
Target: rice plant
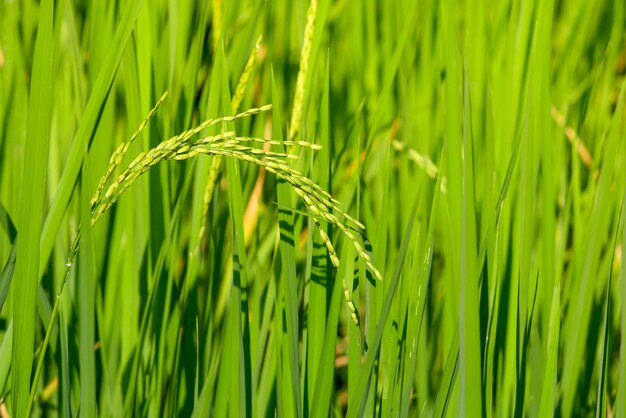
{"x": 312, "y": 208}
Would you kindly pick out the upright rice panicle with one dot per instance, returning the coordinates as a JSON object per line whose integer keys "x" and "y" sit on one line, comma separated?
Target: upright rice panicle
{"x": 298, "y": 102}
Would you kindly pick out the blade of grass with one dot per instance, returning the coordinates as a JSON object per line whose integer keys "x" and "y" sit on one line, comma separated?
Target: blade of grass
{"x": 51, "y": 323}
{"x": 417, "y": 317}
{"x": 200, "y": 172}
{"x": 321, "y": 269}
{"x": 549, "y": 392}
{"x": 130, "y": 399}
{"x": 287, "y": 246}
{"x": 470, "y": 335}
{"x": 601, "y": 397}
{"x": 87, "y": 278}
{"x": 85, "y": 131}
{"x": 9, "y": 267}
{"x": 239, "y": 302}
{"x": 448, "y": 380}
{"x": 621, "y": 397}
{"x": 7, "y": 223}
{"x": 357, "y": 400}
{"x": 7, "y": 275}
{"x": 31, "y": 208}
{"x": 6, "y": 356}
{"x": 323, "y": 393}
{"x": 391, "y": 70}
{"x": 578, "y": 321}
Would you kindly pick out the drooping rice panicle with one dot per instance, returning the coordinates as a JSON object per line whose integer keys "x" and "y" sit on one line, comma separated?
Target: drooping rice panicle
{"x": 572, "y": 137}
{"x": 316, "y": 203}
{"x": 304, "y": 144}
{"x": 319, "y": 202}
{"x": 184, "y": 136}
{"x": 422, "y": 161}
{"x": 334, "y": 259}
{"x": 165, "y": 150}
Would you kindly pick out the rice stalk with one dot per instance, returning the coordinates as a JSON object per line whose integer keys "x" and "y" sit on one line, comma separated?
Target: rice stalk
{"x": 53, "y": 316}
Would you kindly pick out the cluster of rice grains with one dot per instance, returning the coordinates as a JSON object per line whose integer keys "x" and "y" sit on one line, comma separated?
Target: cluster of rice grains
{"x": 188, "y": 144}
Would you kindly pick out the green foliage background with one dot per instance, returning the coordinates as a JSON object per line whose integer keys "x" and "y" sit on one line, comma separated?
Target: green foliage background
{"x": 480, "y": 143}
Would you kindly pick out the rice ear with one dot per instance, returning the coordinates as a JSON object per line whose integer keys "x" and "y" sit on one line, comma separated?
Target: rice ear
{"x": 184, "y": 146}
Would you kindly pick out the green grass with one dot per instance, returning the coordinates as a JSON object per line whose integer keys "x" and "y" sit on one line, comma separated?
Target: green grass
{"x": 312, "y": 208}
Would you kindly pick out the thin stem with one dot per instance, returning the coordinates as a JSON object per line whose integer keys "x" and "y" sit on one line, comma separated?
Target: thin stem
{"x": 53, "y": 316}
